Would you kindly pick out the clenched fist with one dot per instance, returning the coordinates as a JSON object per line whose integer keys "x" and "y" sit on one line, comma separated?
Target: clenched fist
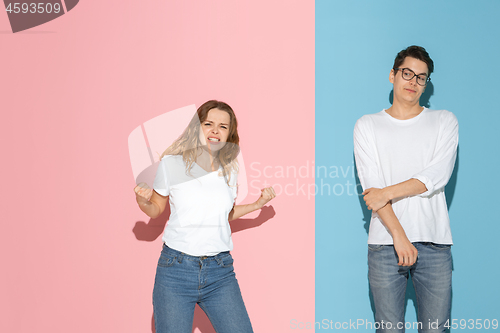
{"x": 143, "y": 193}
{"x": 267, "y": 194}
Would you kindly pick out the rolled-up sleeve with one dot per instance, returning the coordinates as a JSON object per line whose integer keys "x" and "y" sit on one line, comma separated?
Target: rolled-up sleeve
{"x": 438, "y": 172}
{"x": 365, "y": 154}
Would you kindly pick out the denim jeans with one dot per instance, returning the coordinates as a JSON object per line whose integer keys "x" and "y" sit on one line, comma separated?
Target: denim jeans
{"x": 431, "y": 276}
{"x": 182, "y": 281}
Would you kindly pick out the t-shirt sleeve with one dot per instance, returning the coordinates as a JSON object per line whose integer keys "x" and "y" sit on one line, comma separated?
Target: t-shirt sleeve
{"x": 365, "y": 154}
{"x": 233, "y": 185}
{"x": 437, "y": 174}
{"x": 160, "y": 184}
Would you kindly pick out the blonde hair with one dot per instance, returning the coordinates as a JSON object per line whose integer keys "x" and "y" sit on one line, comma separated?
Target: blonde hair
{"x": 188, "y": 143}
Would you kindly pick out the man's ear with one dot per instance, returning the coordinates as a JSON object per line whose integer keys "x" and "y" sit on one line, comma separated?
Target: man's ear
{"x": 391, "y": 76}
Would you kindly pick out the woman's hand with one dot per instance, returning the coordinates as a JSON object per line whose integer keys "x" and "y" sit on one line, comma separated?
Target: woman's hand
{"x": 143, "y": 193}
{"x": 241, "y": 210}
{"x": 266, "y": 195}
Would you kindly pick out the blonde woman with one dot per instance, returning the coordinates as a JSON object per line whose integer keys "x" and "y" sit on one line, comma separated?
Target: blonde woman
{"x": 197, "y": 175}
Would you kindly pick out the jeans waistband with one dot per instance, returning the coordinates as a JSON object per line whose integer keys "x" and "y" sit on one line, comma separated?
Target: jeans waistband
{"x": 181, "y": 255}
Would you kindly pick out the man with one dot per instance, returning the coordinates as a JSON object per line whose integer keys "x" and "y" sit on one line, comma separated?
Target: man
{"x": 405, "y": 156}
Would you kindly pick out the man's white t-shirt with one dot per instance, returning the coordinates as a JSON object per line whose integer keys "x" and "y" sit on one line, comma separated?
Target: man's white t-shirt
{"x": 200, "y": 203}
{"x": 389, "y": 151}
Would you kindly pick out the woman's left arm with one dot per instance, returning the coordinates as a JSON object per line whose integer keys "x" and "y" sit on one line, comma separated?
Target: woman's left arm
{"x": 240, "y": 210}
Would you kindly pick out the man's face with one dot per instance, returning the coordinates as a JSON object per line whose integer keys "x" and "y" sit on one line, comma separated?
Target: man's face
{"x": 409, "y": 91}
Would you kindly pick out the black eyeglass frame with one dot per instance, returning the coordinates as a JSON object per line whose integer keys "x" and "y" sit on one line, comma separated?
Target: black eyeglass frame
{"x": 427, "y": 79}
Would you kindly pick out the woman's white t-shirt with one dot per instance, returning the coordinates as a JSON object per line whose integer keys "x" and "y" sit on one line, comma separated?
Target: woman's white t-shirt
{"x": 200, "y": 203}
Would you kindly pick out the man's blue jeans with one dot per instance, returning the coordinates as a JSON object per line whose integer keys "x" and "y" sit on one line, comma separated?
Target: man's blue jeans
{"x": 182, "y": 281}
{"x": 431, "y": 276}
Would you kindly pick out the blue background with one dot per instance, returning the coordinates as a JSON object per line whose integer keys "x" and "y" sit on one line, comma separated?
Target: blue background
{"x": 356, "y": 43}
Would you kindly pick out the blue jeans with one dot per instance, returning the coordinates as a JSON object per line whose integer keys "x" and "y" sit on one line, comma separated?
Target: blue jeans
{"x": 431, "y": 276}
{"x": 182, "y": 281}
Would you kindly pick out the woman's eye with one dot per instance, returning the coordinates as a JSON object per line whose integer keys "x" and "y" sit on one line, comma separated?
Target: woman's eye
{"x": 224, "y": 127}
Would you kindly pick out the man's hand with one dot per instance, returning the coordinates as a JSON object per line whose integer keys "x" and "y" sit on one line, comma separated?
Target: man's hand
{"x": 407, "y": 253}
{"x": 375, "y": 198}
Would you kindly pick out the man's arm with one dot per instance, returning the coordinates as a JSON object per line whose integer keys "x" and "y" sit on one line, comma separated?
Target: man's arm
{"x": 427, "y": 181}
{"x": 407, "y": 253}
{"x": 376, "y": 198}
{"x": 369, "y": 176}
{"x": 438, "y": 172}
{"x": 365, "y": 155}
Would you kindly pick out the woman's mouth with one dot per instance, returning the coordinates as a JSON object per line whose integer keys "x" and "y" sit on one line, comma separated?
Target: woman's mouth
{"x": 213, "y": 140}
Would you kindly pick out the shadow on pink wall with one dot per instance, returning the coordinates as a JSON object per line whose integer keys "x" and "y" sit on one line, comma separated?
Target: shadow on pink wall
{"x": 145, "y": 143}
{"x": 151, "y": 230}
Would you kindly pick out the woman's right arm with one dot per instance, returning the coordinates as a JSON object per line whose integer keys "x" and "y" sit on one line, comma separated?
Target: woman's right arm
{"x": 150, "y": 202}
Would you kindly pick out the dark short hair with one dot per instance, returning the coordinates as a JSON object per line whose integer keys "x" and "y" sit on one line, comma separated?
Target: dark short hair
{"x": 417, "y": 52}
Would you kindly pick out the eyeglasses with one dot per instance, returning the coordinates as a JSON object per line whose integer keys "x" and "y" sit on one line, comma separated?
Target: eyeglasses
{"x": 408, "y": 75}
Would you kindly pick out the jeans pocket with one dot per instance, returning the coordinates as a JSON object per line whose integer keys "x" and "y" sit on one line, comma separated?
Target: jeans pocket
{"x": 375, "y": 247}
{"x": 440, "y": 247}
{"x": 226, "y": 261}
{"x": 166, "y": 260}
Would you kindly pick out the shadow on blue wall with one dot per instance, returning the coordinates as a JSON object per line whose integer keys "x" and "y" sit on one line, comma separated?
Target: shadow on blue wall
{"x": 424, "y": 99}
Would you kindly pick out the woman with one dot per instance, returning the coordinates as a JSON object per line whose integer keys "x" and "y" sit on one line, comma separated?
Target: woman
{"x": 197, "y": 175}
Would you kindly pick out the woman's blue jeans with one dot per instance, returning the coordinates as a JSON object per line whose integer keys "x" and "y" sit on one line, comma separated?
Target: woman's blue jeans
{"x": 431, "y": 276}
{"x": 182, "y": 281}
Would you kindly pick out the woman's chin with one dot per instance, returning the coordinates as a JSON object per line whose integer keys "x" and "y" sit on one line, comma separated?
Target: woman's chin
{"x": 216, "y": 146}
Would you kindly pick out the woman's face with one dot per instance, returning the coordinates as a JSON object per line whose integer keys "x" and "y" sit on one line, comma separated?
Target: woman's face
{"x": 215, "y": 129}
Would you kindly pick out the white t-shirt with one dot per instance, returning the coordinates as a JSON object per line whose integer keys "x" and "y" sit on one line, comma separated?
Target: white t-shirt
{"x": 389, "y": 151}
{"x": 200, "y": 203}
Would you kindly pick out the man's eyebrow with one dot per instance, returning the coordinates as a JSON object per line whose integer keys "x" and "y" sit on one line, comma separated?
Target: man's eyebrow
{"x": 416, "y": 72}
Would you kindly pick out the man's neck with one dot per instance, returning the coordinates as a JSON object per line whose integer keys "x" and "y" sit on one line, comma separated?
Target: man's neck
{"x": 404, "y": 111}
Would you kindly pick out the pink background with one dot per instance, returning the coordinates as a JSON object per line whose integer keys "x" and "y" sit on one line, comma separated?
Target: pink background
{"x": 71, "y": 92}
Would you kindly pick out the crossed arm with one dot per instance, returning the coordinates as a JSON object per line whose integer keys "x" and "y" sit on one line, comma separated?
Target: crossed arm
{"x": 376, "y": 198}
{"x": 379, "y": 200}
